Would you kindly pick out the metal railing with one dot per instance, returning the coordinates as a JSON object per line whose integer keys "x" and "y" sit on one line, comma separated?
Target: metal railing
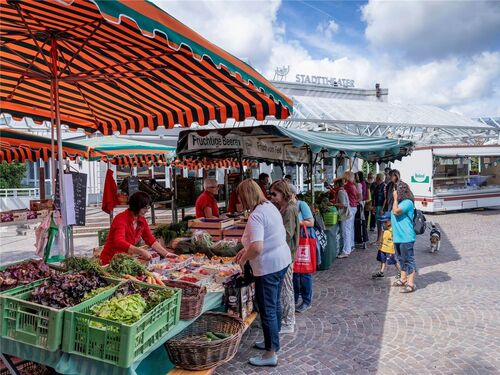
{"x": 23, "y": 192}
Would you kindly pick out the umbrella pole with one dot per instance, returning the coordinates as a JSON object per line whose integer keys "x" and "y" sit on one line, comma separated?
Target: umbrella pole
{"x": 57, "y": 115}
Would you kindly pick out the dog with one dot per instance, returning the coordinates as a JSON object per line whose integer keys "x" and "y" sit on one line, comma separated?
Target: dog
{"x": 435, "y": 238}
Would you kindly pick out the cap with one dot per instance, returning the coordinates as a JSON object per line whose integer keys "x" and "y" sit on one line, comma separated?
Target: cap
{"x": 386, "y": 216}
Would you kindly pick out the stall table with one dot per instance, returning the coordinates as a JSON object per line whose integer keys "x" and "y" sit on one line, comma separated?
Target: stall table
{"x": 155, "y": 361}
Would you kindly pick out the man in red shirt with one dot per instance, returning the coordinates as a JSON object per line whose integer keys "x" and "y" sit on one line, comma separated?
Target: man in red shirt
{"x": 348, "y": 225}
{"x": 206, "y": 204}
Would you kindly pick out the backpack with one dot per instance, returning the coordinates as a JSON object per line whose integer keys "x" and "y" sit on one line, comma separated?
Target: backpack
{"x": 419, "y": 220}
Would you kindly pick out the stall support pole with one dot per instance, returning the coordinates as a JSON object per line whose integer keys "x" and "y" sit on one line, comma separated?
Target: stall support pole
{"x": 55, "y": 96}
{"x": 240, "y": 161}
{"x": 311, "y": 172}
{"x": 41, "y": 182}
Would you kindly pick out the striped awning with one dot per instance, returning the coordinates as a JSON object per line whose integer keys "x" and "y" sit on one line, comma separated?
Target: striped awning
{"x": 190, "y": 163}
{"x": 122, "y": 65}
{"x": 21, "y": 146}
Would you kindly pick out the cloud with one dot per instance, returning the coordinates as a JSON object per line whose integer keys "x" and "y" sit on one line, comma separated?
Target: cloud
{"x": 328, "y": 28}
{"x": 246, "y": 29}
{"x": 432, "y": 29}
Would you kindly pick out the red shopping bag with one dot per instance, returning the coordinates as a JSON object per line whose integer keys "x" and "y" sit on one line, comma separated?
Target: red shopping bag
{"x": 305, "y": 257}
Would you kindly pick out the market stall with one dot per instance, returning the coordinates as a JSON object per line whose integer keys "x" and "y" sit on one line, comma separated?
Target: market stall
{"x": 115, "y": 66}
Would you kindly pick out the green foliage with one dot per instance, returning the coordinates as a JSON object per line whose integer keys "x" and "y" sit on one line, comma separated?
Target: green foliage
{"x": 11, "y": 175}
{"x": 368, "y": 167}
{"x": 321, "y": 199}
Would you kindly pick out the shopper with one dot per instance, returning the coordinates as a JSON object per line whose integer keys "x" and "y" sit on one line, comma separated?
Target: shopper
{"x": 303, "y": 282}
{"x": 386, "y": 251}
{"x": 403, "y": 234}
{"x": 348, "y": 226}
{"x": 265, "y": 248}
{"x": 378, "y": 202}
{"x": 360, "y": 230}
{"x": 264, "y": 183}
{"x": 369, "y": 212}
{"x": 282, "y": 197}
{"x": 342, "y": 204}
{"x": 389, "y": 190}
{"x": 288, "y": 178}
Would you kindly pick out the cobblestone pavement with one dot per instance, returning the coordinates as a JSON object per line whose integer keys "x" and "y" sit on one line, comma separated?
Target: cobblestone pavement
{"x": 450, "y": 325}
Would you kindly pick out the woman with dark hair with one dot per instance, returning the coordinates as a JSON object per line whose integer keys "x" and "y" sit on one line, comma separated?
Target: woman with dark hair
{"x": 403, "y": 211}
{"x": 360, "y": 230}
{"x": 127, "y": 230}
{"x": 282, "y": 197}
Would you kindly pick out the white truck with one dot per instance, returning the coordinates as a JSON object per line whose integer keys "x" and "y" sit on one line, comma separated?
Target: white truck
{"x": 447, "y": 178}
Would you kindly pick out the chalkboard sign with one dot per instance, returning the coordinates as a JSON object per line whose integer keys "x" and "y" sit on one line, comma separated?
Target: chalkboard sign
{"x": 133, "y": 185}
{"x": 80, "y": 197}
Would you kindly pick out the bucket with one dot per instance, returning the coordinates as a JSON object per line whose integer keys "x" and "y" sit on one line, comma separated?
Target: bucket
{"x": 331, "y": 217}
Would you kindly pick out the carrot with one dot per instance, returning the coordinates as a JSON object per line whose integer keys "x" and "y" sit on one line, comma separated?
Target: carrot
{"x": 159, "y": 282}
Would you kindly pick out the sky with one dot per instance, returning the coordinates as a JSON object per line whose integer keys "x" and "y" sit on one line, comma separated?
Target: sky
{"x": 443, "y": 53}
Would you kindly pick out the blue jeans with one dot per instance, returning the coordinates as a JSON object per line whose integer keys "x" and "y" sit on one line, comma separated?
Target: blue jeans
{"x": 406, "y": 257}
{"x": 268, "y": 296}
{"x": 303, "y": 287}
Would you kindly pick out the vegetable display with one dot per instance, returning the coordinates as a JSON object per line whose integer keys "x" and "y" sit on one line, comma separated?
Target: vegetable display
{"x": 130, "y": 302}
{"x": 123, "y": 264}
{"x": 23, "y": 273}
{"x": 84, "y": 264}
{"x": 65, "y": 290}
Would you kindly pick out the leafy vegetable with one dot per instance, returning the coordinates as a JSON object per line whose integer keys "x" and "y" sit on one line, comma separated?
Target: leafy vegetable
{"x": 123, "y": 264}
{"x": 84, "y": 264}
{"x": 65, "y": 290}
{"x": 95, "y": 292}
{"x": 24, "y": 273}
{"x": 125, "y": 309}
{"x": 202, "y": 239}
{"x": 130, "y": 302}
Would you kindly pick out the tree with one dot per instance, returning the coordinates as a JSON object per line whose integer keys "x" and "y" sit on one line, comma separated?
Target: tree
{"x": 11, "y": 175}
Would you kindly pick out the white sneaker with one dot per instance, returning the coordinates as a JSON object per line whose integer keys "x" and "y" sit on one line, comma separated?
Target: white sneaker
{"x": 342, "y": 255}
{"x": 287, "y": 328}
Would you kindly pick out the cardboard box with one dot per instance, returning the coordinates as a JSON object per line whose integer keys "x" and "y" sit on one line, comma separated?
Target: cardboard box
{"x": 20, "y": 215}
{"x": 214, "y": 223}
{"x": 41, "y": 204}
{"x": 239, "y": 301}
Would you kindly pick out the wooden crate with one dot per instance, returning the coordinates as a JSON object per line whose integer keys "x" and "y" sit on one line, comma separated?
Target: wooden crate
{"x": 210, "y": 223}
{"x": 235, "y": 231}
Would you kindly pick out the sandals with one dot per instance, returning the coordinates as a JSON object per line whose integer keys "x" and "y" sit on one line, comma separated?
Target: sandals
{"x": 408, "y": 289}
{"x": 399, "y": 283}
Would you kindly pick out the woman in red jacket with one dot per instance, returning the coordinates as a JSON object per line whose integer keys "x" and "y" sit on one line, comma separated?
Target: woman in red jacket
{"x": 128, "y": 228}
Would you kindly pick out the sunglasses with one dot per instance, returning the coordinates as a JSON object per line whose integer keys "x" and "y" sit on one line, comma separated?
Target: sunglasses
{"x": 273, "y": 194}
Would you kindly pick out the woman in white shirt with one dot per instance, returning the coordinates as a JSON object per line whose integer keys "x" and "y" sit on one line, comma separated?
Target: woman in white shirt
{"x": 266, "y": 250}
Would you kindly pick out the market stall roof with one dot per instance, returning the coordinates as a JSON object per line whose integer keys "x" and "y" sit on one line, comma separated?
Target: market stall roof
{"x": 21, "y": 146}
{"x": 274, "y": 143}
{"x": 463, "y": 150}
{"x": 120, "y": 65}
{"x": 112, "y": 147}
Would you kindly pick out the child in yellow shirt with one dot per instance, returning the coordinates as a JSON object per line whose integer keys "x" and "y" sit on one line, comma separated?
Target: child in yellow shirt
{"x": 386, "y": 253}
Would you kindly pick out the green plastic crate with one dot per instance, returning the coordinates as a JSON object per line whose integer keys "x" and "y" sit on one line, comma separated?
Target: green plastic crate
{"x": 29, "y": 322}
{"x": 113, "y": 342}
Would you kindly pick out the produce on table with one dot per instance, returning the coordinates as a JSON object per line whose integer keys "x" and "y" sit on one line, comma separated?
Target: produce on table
{"x": 130, "y": 302}
{"x": 84, "y": 264}
{"x": 95, "y": 292}
{"x": 23, "y": 273}
{"x": 123, "y": 264}
{"x": 66, "y": 290}
{"x": 202, "y": 240}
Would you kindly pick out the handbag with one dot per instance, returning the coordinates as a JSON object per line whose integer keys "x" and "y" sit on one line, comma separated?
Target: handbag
{"x": 305, "y": 256}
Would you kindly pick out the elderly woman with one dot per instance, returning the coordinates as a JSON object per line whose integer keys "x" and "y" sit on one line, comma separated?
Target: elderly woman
{"x": 206, "y": 204}
{"x": 348, "y": 224}
{"x": 282, "y": 197}
{"x": 403, "y": 234}
{"x": 266, "y": 250}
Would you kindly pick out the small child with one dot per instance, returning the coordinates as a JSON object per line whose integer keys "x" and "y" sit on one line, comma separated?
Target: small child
{"x": 386, "y": 251}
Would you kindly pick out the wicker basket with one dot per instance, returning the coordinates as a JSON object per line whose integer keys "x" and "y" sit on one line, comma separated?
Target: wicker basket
{"x": 193, "y": 297}
{"x": 187, "y": 351}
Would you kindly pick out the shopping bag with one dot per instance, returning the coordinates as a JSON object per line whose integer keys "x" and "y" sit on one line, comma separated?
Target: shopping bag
{"x": 305, "y": 256}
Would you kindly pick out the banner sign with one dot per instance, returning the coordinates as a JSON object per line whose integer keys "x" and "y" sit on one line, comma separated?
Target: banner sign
{"x": 253, "y": 148}
{"x": 213, "y": 141}
{"x": 296, "y": 155}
